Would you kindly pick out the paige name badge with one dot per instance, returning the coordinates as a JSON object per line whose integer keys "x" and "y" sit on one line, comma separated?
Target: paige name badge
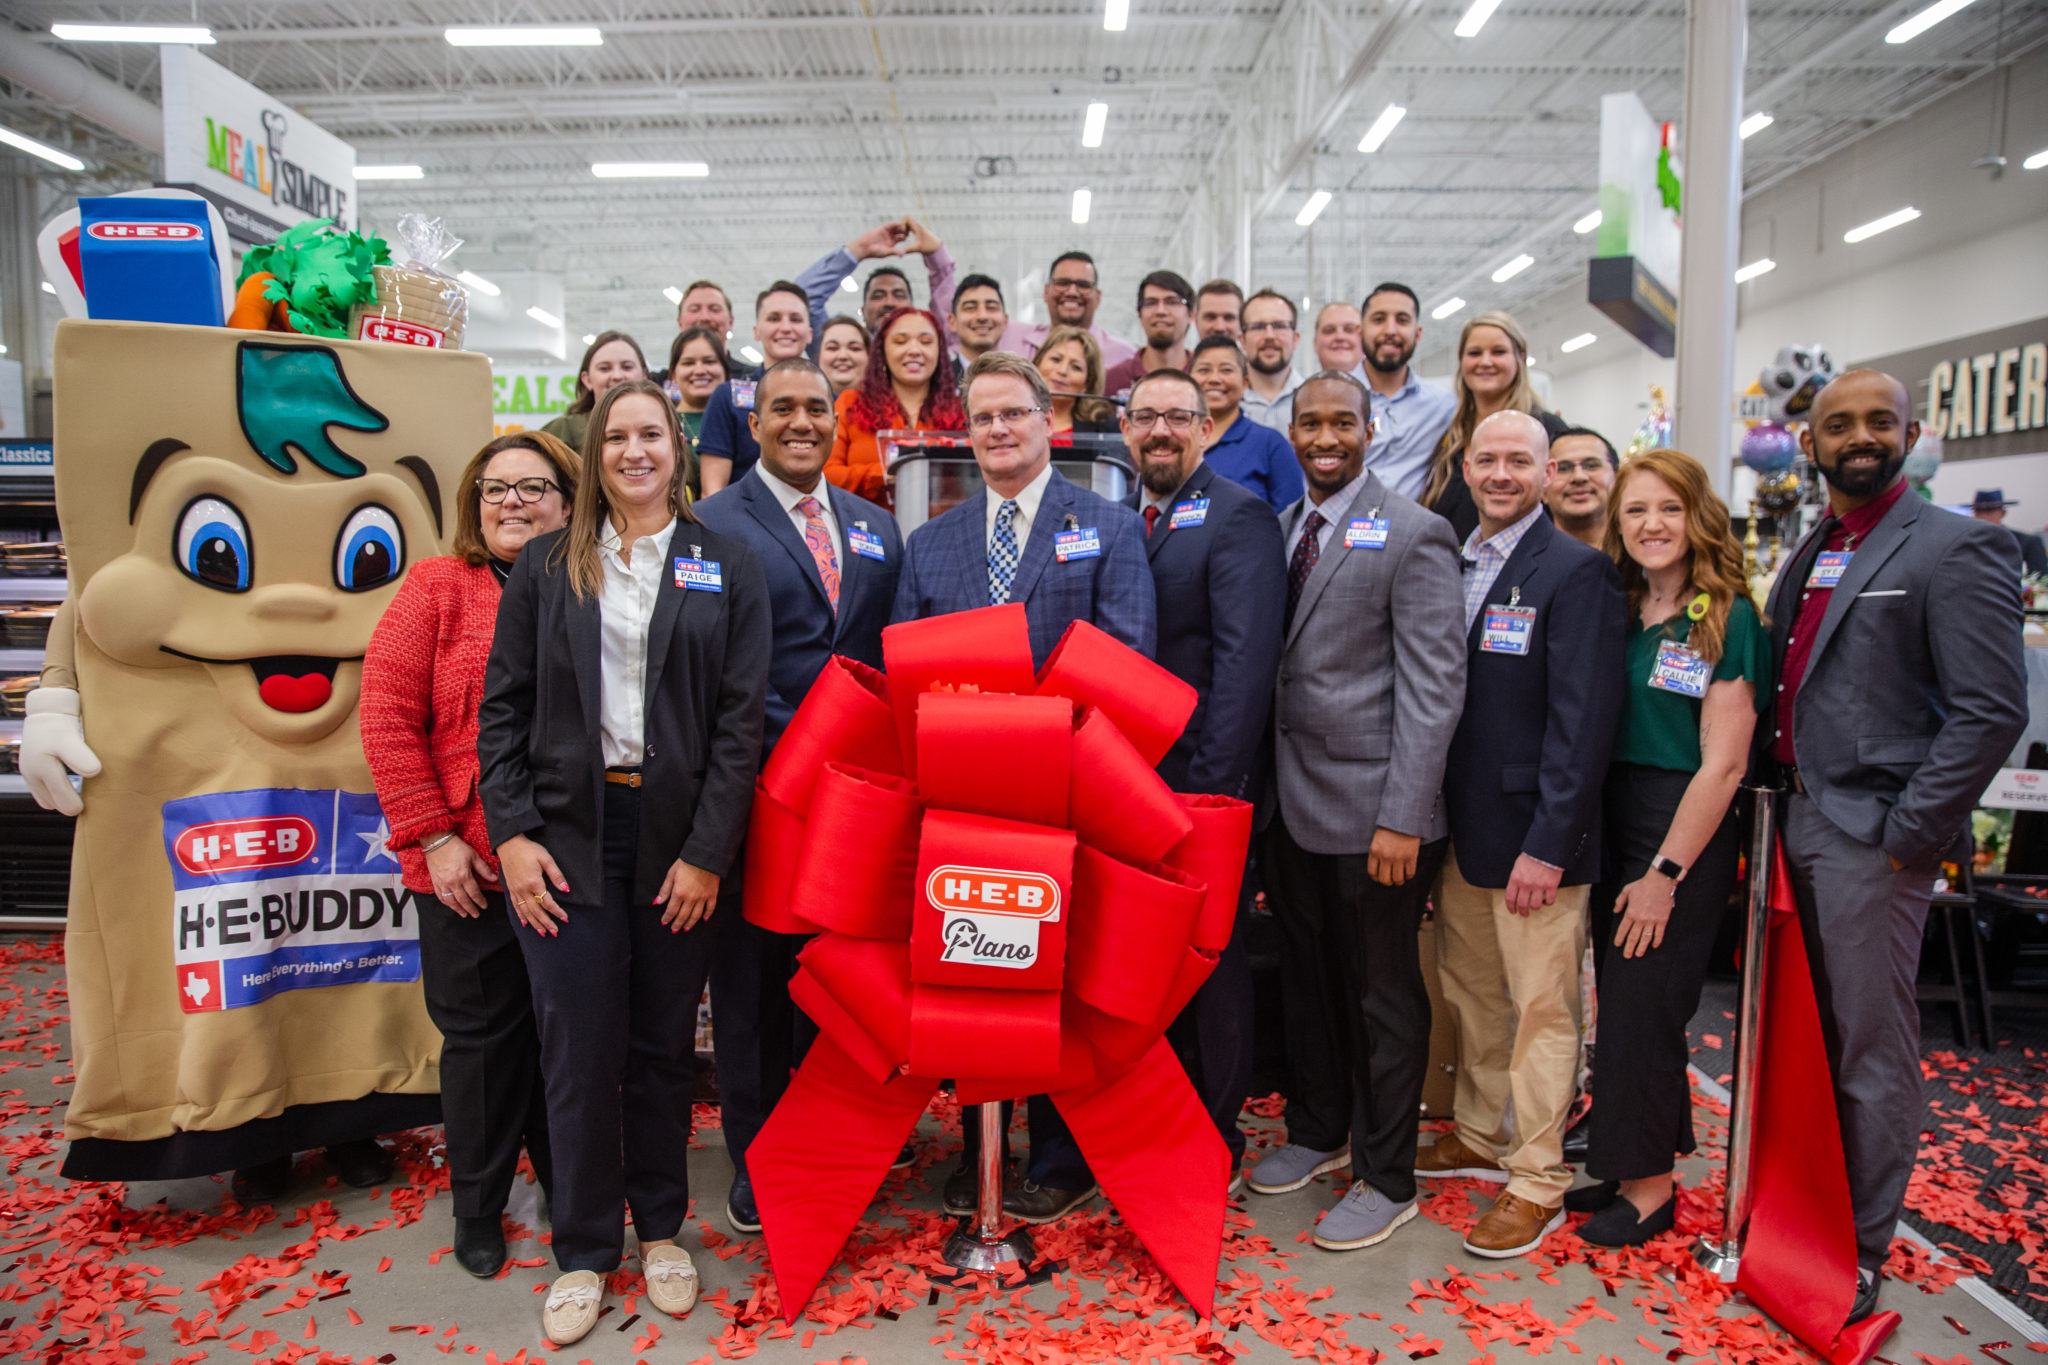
{"x": 864, "y": 542}
{"x": 284, "y": 889}
{"x": 1678, "y": 669}
{"x": 1083, "y": 543}
{"x": 991, "y": 915}
{"x": 1368, "y": 533}
{"x": 1507, "y": 630}
{"x": 703, "y": 575}
{"x": 1193, "y": 512}
{"x": 1829, "y": 568}
{"x": 743, "y": 394}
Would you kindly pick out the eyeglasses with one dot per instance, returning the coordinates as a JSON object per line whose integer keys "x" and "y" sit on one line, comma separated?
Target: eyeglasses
{"x": 1252, "y": 328}
{"x": 530, "y": 490}
{"x": 1061, "y": 286}
{"x": 1009, "y": 417}
{"x": 1163, "y": 301}
{"x": 1592, "y": 464}
{"x": 1177, "y": 419}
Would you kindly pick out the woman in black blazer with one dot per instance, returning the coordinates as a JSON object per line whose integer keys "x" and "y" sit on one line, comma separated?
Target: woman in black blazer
{"x": 618, "y": 739}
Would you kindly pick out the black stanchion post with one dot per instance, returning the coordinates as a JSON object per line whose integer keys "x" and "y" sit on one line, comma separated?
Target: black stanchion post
{"x": 981, "y": 1247}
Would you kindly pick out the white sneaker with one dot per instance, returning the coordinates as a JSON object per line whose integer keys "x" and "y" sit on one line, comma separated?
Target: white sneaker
{"x": 671, "y": 1279}
{"x": 572, "y": 1306}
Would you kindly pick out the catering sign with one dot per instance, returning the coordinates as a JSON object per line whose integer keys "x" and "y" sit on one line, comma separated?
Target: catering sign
{"x": 237, "y": 145}
{"x": 1985, "y": 394}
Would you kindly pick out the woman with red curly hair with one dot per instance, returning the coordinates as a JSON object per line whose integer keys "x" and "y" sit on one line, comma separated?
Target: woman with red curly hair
{"x": 909, "y": 386}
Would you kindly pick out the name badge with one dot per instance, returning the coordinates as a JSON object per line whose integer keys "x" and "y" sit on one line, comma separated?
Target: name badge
{"x": 1829, "y": 568}
{"x": 1193, "y": 512}
{"x": 743, "y": 394}
{"x": 1368, "y": 533}
{"x": 1081, "y": 544}
{"x": 864, "y": 543}
{"x": 1679, "y": 670}
{"x": 704, "y": 575}
{"x": 1507, "y": 630}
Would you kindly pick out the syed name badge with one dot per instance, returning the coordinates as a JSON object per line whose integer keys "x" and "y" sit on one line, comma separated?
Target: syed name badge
{"x": 990, "y": 916}
{"x": 1507, "y": 629}
{"x": 702, "y": 575}
{"x": 1829, "y": 568}
{"x": 1678, "y": 669}
{"x": 1082, "y": 543}
{"x": 864, "y": 542}
{"x": 284, "y": 889}
{"x": 1193, "y": 512}
{"x": 1368, "y": 532}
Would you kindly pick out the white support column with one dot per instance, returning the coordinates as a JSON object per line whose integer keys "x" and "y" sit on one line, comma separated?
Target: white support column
{"x": 1716, "y": 44}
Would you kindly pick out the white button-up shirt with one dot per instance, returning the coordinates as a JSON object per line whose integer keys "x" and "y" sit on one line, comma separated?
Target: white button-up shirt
{"x": 625, "y": 606}
{"x": 1028, "y": 499}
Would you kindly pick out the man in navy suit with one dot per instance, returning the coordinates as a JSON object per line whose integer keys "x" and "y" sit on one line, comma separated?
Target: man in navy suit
{"x": 1068, "y": 555}
{"x": 831, "y": 560}
{"x": 1545, "y": 619}
{"x": 1221, "y": 581}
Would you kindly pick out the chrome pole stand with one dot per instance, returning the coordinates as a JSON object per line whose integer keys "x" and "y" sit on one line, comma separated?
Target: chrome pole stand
{"x": 1723, "y": 1258}
{"x": 981, "y": 1247}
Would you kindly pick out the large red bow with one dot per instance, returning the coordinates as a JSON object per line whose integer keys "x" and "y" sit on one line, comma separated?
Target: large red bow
{"x": 1003, "y": 892}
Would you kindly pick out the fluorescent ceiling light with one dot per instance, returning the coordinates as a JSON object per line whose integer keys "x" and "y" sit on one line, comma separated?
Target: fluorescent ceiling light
{"x": 1317, "y": 202}
{"x": 1083, "y": 201}
{"x": 1116, "y": 15}
{"x": 649, "y": 170}
{"x": 847, "y": 284}
{"x": 524, "y": 35}
{"x": 479, "y": 283}
{"x": 134, "y": 33}
{"x": 1588, "y": 223}
{"x": 750, "y": 355}
{"x": 1755, "y": 268}
{"x": 1578, "y": 343}
{"x": 1382, "y": 128}
{"x": 2035, "y": 162}
{"x": 673, "y": 295}
{"x": 1924, "y": 20}
{"x": 1092, "y": 126}
{"x": 1755, "y": 124}
{"x": 589, "y": 337}
{"x": 1446, "y": 308}
{"x": 390, "y": 173}
{"x": 1476, "y": 17}
{"x": 1877, "y": 225}
{"x": 1513, "y": 268}
{"x": 35, "y": 148}
{"x": 543, "y": 317}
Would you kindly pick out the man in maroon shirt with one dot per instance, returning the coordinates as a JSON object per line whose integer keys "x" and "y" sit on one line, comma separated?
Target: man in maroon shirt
{"x": 1889, "y": 716}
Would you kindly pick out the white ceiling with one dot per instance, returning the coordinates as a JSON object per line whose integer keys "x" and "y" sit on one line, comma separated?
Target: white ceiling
{"x": 822, "y": 117}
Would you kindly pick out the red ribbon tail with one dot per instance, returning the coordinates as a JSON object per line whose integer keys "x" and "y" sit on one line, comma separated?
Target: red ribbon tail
{"x": 1859, "y": 1341}
{"x": 1159, "y": 1159}
{"x": 819, "y": 1159}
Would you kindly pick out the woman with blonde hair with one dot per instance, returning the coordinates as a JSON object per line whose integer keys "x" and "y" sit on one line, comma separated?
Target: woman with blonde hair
{"x": 1697, "y": 657}
{"x": 1070, "y": 362}
{"x": 1492, "y": 376}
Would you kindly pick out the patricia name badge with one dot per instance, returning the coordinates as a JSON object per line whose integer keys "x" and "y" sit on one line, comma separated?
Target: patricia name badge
{"x": 1678, "y": 669}
{"x": 704, "y": 575}
{"x": 1829, "y": 568}
{"x": 1081, "y": 543}
{"x": 864, "y": 542}
{"x": 1368, "y": 533}
{"x": 1193, "y": 512}
{"x": 743, "y": 394}
{"x": 1507, "y": 629}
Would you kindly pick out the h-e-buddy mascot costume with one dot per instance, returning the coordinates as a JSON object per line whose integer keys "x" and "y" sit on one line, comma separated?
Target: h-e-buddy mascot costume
{"x": 238, "y": 510}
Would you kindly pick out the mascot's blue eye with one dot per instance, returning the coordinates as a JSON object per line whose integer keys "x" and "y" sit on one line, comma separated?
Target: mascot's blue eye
{"x": 370, "y": 551}
{"x": 213, "y": 545}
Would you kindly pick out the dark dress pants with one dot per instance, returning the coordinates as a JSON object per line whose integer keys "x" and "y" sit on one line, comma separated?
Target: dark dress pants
{"x": 1055, "y": 1159}
{"x": 616, "y": 995}
{"x": 1642, "y": 1107}
{"x": 756, "y": 1031}
{"x": 1355, "y": 1006}
{"x": 1213, "y": 1034}
{"x": 474, "y": 978}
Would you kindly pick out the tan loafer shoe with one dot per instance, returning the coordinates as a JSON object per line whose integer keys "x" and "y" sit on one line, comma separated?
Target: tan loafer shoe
{"x": 1448, "y": 1157}
{"x": 572, "y": 1306}
{"x": 671, "y": 1279}
{"x": 1513, "y": 1226}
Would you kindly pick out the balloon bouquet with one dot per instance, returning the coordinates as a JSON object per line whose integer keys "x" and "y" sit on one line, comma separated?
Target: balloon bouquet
{"x": 1789, "y": 384}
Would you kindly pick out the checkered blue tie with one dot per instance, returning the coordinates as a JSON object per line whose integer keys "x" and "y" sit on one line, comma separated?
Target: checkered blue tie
{"x": 1002, "y": 554}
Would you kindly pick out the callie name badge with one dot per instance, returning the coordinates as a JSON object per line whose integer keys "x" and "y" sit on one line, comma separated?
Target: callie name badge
{"x": 1081, "y": 544}
{"x": 1366, "y": 533}
{"x": 864, "y": 543}
{"x": 991, "y": 915}
{"x": 1193, "y": 512}
{"x": 704, "y": 575}
{"x": 1679, "y": 670}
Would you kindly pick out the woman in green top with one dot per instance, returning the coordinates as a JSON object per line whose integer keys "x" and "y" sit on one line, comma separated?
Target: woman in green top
{"x": 696, "y": 367}
{"x": 1697, "y": 652}
{"x": 611, "y": 358}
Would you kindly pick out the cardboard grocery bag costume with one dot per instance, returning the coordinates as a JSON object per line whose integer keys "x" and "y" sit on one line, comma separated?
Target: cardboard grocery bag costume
{"x": 238, "y": 509}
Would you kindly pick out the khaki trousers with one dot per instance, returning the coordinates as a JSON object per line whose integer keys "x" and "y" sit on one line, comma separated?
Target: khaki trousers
{"x": 1512, "y": 984}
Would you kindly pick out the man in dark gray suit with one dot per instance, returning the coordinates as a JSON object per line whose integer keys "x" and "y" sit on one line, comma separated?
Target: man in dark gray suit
{"x": 1891, "y": 714}
{"x": 1372, "y": 679}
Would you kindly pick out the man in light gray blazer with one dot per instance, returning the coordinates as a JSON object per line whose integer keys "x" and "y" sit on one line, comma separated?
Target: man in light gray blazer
{"x": 1901, "y": 690}
{"x": 1372, "y": 680}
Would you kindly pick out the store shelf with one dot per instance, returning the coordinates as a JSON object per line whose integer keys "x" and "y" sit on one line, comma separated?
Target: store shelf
{"x": 14, "y": 662}
{"x": 32, "y": 589}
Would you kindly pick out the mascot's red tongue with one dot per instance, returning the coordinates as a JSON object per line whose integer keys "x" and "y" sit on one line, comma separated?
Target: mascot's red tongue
{"x": 307, "y": 693}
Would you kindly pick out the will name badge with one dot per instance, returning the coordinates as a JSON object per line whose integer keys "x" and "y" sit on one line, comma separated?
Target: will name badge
{"x": 1082, "y": 543}
{"x": 1193, "y": 512}
{"x": 1678, "y": 669}
{"x": 1366, "y": 533}
{"x": 703, "y": 575}
{"x": 743, "y": 394}
{"x": 1507, "y": 629}
{"x": 1829, "y": 568}
{"x": 864, "y": 542}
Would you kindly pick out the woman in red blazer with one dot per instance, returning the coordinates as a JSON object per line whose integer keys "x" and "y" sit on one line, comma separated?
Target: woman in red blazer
{"x": 422, "y": 679}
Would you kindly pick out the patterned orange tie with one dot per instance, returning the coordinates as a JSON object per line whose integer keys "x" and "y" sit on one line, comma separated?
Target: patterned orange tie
{"x": 820, "y": 542}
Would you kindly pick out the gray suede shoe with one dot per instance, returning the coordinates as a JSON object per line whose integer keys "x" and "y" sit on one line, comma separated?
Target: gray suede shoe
{"x": 1292, "y": 1167}
{"x": 1363, "y": 1218}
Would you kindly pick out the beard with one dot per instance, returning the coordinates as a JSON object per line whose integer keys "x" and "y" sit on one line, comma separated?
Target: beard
{"x": 1861, "y": 483}
{"x": 1276, "y": 366}
{"x": 1399, "y": 363}
{"x": 1159, "y": 476}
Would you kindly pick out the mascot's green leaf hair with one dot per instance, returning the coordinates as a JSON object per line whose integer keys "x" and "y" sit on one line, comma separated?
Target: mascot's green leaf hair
{"x": 287, "y": 397}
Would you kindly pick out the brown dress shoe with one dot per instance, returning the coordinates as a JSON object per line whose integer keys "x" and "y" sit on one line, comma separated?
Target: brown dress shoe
{"x": 1513, "y": 1225}
{"x": 1448, "y": 1157}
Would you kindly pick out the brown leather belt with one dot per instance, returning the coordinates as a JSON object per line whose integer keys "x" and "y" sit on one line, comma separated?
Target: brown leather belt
{"x": 624, "y": 777}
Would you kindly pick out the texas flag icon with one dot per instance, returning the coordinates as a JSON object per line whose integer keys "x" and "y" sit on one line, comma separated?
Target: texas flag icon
{"x": 199, "y": 987}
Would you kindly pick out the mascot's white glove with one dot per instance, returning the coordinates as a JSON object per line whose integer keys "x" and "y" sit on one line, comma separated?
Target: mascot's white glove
{"x": 53, "y": 747}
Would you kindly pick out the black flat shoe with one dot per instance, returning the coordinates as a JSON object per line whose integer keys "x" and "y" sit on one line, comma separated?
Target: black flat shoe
{"x": 1617, "y": 1224}
{"x": 1866, "y": 1298}
{"x": 740, "y": 1209}
{"x": 263, "y": 1183}
{"x": 480, "y": 1245}
{"x": 1592, "y": 1198}
{"x": 360, "y": 1164}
